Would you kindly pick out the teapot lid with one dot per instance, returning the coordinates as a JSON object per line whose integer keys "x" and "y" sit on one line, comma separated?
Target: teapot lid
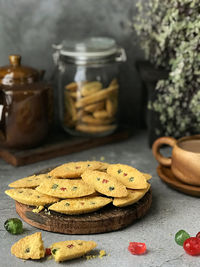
{"x": 16, "y": 73}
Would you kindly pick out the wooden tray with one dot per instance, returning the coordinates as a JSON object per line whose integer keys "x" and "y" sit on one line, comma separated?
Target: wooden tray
{"x": 105, "y": 220}
{"x": 168, "y": 177}
{"x": 59, "y": 144}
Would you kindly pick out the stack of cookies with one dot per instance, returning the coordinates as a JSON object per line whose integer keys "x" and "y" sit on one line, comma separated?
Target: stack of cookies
{"x": 81, "y": 187}
{"x": 89, "y": 107}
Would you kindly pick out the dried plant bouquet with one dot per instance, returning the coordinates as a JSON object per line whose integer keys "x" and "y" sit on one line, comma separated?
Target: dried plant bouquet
{"x": 169, "y": 32}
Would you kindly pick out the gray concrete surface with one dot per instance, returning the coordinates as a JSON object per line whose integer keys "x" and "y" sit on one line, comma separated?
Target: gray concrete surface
{"x": 170, "y": 212}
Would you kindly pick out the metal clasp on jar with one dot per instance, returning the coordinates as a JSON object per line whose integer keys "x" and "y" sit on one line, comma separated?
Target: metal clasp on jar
{"x": 121, "y": 55}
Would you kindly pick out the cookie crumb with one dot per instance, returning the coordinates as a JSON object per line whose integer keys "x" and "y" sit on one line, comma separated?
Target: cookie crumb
{"x": 47, "y": 212}
{"x": 38, "y": 209}
{"x": 89, "y": 257}
{"x": 49, "y": 257}
{"x": 102, "y": 253}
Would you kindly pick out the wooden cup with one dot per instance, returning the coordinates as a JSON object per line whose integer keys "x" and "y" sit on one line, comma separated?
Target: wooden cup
{"x": 185, "y": 160}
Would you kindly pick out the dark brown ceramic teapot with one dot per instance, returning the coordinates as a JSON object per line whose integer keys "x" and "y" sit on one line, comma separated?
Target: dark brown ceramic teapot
{"x": 23, "y": 105}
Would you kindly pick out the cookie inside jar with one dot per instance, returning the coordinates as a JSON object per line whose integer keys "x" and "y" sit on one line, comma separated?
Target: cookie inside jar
{"x": 89, "y": 86}
{"x": 91, "y": 107}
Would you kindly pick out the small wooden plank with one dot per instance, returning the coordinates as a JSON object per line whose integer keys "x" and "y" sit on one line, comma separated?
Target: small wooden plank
{"x": 107, "y": 219}
{"x": 59, "y": 144}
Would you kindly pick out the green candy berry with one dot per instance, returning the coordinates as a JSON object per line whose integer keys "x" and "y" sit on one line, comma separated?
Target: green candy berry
{"x": 54, "y": 251}
{"x": 74, "y": 188}
{"x": 181, "y": 236}
{"x": 111, "y": 188}
{"x": 14, "y": 226}
{"x": 54, "y": 186}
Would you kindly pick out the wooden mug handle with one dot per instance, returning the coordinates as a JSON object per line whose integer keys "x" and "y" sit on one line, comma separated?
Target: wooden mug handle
{"x": 156, "y": 149}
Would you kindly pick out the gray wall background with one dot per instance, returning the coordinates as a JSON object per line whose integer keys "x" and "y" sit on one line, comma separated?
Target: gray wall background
{"x": 29, "y": 27}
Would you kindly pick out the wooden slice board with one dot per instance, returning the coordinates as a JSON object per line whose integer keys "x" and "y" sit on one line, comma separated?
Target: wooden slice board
{"x": 107, "y": 219}
{"x": 168, "y": 177}
{"x": 59, "y": 144}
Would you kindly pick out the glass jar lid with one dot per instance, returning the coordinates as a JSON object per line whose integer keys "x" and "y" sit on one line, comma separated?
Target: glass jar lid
{"x": 91, "y": 50}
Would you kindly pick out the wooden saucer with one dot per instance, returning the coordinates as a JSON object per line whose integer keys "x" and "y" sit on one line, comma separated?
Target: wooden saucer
{"x": 107, "y": 219}
{"x": 168, "y": 177}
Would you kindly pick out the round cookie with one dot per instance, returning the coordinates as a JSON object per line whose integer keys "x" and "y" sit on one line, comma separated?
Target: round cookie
{"x": 65, "y": 188}
{"x": 104, "y": 183}
{"x": 127, "y": 175}
{"x": 147, "y": 176}
{"x": 67, "y": 250}
{"x": 134, "y": 195}
{"x": 80, "y": 205}
{"x": 30, "y": 181}
{"x": 29, "y": 247}
{"x": 74, "y": 169}
{"x": 30, "y": 197}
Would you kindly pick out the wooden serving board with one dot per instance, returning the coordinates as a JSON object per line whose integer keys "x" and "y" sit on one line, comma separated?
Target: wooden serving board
{"x": 59, "y": 144}
{"x": 107, "y": 219}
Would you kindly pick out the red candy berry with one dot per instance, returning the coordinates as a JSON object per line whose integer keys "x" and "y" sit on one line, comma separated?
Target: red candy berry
{"x": 198, "y": 235}
{"x": 70, "y": 246}
{"x": 63, "y": 188}
{"x": 48, "y": 252}
{"x": 192, "y": 246}
{"x": 137, "y": 248}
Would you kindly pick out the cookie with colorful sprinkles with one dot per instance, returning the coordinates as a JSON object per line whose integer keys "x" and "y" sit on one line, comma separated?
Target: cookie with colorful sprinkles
{"x": 75, "y": 169}
{"x": 29, "y": 247}
{"x": 103, "y": 167}
{"x": 65, "y": 188}
{"x": 30, "y": 197}
{"x": 80, "y": 205}
{"x": 133, "y": 196}
{"x": 30, "y": 181}
{"x": 104, "y": 183}
{"x": 67, "y": 250}
{"x": 127, "y": 175}
{"x": 147, "y": 176}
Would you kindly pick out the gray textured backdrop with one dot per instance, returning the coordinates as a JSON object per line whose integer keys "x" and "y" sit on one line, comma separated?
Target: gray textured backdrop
{"x": 29, "y": 27}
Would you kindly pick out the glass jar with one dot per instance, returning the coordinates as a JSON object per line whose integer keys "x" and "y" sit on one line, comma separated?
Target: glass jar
{"x": 88, "y": 85}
